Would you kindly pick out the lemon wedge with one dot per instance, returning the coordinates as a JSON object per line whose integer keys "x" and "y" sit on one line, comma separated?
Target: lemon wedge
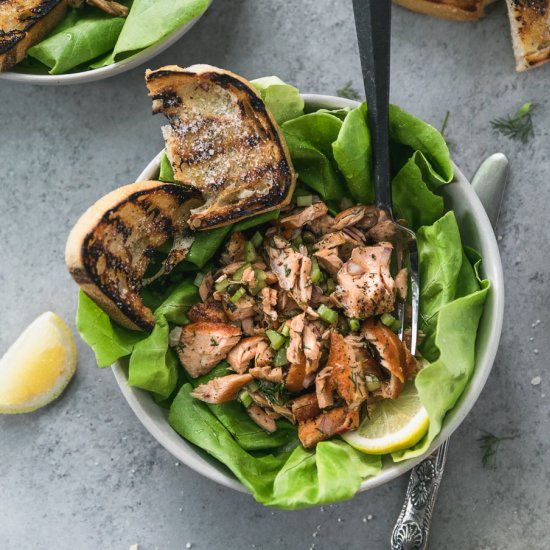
{"x": 395, "y": 424}
{"x": 38, "y": 366}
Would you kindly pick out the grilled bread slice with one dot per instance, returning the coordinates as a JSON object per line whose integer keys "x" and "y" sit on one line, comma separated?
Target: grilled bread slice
{"x": 23, "y": 23}
{"x": 223, "y": 141}
{"x": 530, "y": 25}
{"x": 110, "y": 247}
{"x": 458, "y": 10}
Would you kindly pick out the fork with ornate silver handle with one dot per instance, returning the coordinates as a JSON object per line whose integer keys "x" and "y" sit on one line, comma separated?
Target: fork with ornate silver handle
{"x": 413, "y": 524}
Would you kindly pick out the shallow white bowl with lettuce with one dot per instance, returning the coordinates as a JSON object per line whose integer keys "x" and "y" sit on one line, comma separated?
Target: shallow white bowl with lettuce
{"x": 89, "y": 45}
{"x": 461, "y": 311}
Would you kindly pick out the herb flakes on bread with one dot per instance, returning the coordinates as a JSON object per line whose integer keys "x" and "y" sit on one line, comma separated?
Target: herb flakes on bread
{"x": 110, "y": 247}
{"x": 222, "y": 141}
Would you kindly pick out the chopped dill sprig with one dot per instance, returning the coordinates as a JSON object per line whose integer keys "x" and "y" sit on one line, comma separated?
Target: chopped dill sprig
{"x": 444, "y": 125}
{"x": 489, "y": 444}
{"x": 518, "y": 126}
{"x": 275, "y": 393}
{"x": 348, "y": 92}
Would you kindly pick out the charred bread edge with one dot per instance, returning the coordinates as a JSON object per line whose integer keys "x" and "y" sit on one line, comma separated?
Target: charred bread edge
{"x": 524, "y": 59}
{"x": 79, "y": 237}
{"x": 445, "y": 11}
{"x": 13, "y": 51}
{"x": 225, "y": 78}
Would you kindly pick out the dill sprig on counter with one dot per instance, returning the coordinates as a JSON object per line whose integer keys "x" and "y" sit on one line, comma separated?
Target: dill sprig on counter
{"x": 518, "y": 126}
{"x": 348, "y": 92}
{"x": 489, "y": 444}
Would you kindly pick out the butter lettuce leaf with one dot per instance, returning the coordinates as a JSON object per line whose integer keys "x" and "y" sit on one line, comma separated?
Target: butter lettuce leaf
{"x": 353, "y": 154}
{"x": 91, "y": 34}
{"x": 151, "y": 21}
{"x": 289, "y": 480}
{"x": 309, "y": 139}
{"x": 108, "y": 340}
{"x": 283, "y": 100}
{"x": 424, "y": 138}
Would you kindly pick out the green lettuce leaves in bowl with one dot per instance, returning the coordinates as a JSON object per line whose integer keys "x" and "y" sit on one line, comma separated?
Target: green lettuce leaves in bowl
{"x": 331, "y": 151}
{"x": 87, "y": 38}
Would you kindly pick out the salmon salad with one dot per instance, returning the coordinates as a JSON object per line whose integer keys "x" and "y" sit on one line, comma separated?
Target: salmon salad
{"x": 301, "y": 310}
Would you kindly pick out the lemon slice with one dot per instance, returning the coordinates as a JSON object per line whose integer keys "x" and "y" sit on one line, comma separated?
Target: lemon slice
{"x": 38, "y": 366}
{"x": 395, "y": 424}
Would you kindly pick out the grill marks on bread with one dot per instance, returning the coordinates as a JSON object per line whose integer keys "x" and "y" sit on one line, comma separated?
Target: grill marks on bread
{"x": 222, "y": 141}
{"x": 110, "y": 247}
{"x": 23, "y": 23}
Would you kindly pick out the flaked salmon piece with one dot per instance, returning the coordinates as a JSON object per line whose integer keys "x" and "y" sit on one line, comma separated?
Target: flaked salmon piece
{"x": 295, "y": 351}
{"x": 269, "y": 302}
{"x": 302, "y": 289}
{"x": 298, "y": 219}
{"x": 234, "y": 250}
{"x": 231, "y": 269}
{"x": 364, "y": 216}
{"x": 247, "y": 326}
{"x": 401, "y": 282}
{"x": 267, "y": 373}
{"x": 206, "y": 286}
{"x": 365, "y": 285}
{"x": 335, "y": 239}
{"x": 244, "y": 308}
{"x": 391, "y": 352}
{"x": 261, "y": 418}
{"x": 285, "y": 263}
{"x": 328, "y": 259}
{"x": 335, "y": 421}
{"x": 222, "y": 389}
{"x": 389, "y": 389}
{"x": 321, "y": 225}
{"x": 211, "y": 311}
{"x": 249, "y": 278}
{"x": 348, "y": 378}
{"x": 324, "y": 388}
{"x": 270, "y": 278}
{"x": 203, "y": 345}
{"x": 264, "y": 355}
{"x": 305, "y": 407}
{"x": 295, "y": 379}
{"x": 243, "y": 353}
{"x": 311, "y": 343}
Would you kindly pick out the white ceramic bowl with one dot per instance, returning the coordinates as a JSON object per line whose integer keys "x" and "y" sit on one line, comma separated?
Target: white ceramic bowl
{"x": 102, "y": 72}
{"x": 476, "y": 232}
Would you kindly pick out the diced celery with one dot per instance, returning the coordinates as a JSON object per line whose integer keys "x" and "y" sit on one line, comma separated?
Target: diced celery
{"x": 315, "y": 271}
{"x": 238, "y": 295}
{"x": 249, "y": 252}
{"x": 354, "y": 324}
{"x": 245, "y": 399}
{"x": 276, "y": 339}
{"x": 304, "y": 200}
{"x": 280, "y": 358}
{"x": 327, "y": 314}
{"x": 256, "y": 239}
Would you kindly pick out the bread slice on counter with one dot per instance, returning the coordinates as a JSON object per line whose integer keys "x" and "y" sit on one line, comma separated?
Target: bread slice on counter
{"x": 530, "y": 25}
{"x": 110, "y": 247}
{"x": 458, "y": 10}
{"x": 23, "y": 23}
{"x": 223, "y": 141}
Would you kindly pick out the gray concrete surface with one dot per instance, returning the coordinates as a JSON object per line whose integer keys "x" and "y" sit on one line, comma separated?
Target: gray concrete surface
{"x": 84, "y": 474}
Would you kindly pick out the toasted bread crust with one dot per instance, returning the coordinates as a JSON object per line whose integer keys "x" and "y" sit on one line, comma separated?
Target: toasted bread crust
{"x": 530, "y": 26}
{"x": 456, "y": 10}
{"x": 229, "y": 147}
{"x": 23, "y": 24}
{"x": 109, "y": 248}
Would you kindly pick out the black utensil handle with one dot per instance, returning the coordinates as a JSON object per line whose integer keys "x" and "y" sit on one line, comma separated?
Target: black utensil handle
{"x": 373, "y": 24}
